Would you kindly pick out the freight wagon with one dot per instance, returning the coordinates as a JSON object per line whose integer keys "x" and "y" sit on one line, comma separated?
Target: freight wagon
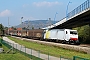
{"x": 13, "y": 32}
{"x": 63, "y": 35}
{"x": 35, "y": 34}
{"x": 22, "y": 33}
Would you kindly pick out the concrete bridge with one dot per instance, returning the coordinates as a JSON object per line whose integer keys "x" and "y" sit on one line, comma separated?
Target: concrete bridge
{"x": 78, "y": 17}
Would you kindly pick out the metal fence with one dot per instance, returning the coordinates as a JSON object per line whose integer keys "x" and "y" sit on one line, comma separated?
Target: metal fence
{"x": 79, "y": 9}
{"x": 16, "y": 48}
{"x": 79, "y": 58}
{"x": 13, "y": 48}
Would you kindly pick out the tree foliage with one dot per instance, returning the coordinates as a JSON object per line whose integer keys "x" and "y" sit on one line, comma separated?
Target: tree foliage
{"x": 1, "y": 29}
{"x": 84, "y": 33}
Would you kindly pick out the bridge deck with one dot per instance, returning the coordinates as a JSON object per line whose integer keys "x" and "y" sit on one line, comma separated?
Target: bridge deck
{"x": 75, "y": 17}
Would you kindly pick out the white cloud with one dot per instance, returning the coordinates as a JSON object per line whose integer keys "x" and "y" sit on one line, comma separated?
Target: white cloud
{"x": 5, "y": 13}
{"x": 45, "y": 3}
{"x": 25, "y": 5}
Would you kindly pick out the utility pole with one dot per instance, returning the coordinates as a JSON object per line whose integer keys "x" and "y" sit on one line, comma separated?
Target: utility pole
{"x": 21, "y": 26}
{"x": 50, "y": 22}
{"x": 8, "y": 25}
{"x": 67, "y": 9}
{"x": 55, "y": 16}
{"x": 28, "y": 24}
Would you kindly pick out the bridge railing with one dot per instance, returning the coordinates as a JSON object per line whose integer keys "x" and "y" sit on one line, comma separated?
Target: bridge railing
{"x": 84, "y": 6}
{"x": 79, "y": 9}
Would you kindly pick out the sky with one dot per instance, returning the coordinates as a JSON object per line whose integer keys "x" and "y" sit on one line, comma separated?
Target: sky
{"x": 12, "y": 10}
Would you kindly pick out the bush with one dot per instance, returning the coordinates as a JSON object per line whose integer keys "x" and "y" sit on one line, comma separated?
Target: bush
{"x": 0, "y": 45}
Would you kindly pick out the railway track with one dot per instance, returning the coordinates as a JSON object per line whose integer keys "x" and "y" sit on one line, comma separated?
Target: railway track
{"x": 80, "y": 48}
{"x": 85, "y": 45}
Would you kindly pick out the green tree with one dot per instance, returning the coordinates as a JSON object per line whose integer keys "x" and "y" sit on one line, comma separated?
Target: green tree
{"x": 32, "y": 27}
{"x": 5, "y": 28}
{"x": 84, "y": 33}
{"x": 1, "y": 29}
{"x": 13, "y": 28}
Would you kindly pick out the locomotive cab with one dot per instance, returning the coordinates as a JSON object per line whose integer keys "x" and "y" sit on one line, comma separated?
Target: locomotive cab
{"x": 73, "y": 38}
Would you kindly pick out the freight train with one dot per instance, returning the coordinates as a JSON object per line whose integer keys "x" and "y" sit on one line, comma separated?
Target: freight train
{"x": 58, "y": 35}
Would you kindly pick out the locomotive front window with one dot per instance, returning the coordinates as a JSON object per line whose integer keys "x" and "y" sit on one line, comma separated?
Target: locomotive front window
{"x": 73, "y": 32}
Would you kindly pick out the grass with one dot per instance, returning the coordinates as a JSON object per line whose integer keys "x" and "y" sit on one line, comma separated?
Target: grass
{"x": 11, "y": 56}
{"x": 16, "y": 56}
{"x": 55, "y": 51}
